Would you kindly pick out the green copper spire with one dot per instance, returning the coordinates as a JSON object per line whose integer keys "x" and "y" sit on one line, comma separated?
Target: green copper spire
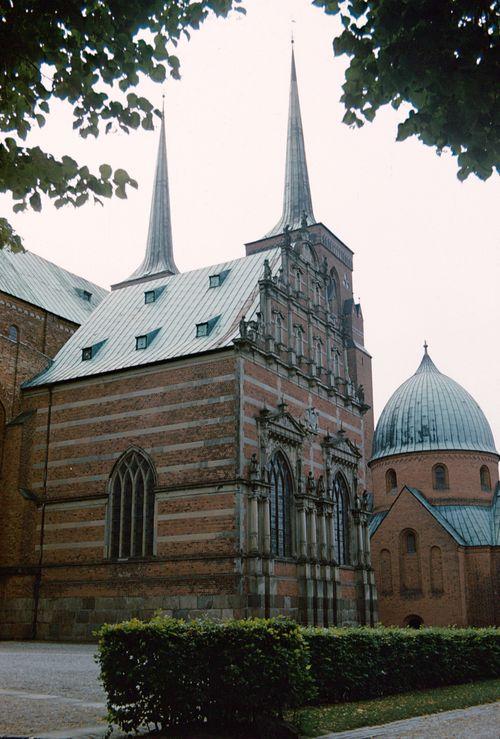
{"x": 297, "y": 201}
{"x": 159, "y": 257}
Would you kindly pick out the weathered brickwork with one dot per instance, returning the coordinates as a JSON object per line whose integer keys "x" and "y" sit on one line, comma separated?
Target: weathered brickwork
{"x": 38, "y": 337}
{"x": 452, "y": 584}
{"x": 207, "y": 427}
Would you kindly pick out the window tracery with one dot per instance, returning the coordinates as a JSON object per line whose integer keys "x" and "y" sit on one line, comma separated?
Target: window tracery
{"x": 281, "y": 494}
{"x": 131, "y": 507}
{"x": 340, "y": 520}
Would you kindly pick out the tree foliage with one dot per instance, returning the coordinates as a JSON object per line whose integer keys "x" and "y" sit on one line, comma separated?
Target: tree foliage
{"x": 89, "y": 53}
{"x": 442, "y": 57}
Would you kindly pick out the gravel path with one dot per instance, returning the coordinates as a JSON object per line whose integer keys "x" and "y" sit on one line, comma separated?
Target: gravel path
{"x": 48, "y": 687}
{"x": 477, "y": 722}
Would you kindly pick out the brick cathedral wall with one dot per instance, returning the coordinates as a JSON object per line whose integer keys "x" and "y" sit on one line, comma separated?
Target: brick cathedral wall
{"x": 183, "y": 415}
{"x": 411, "y": 591}
{"x": 40, "y": 336}
{"x": 265, "y": 386}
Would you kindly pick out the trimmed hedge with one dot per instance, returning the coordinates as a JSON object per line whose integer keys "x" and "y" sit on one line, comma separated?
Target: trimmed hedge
{"x": 168, "y": 672}
{"x": 360, "y": 663}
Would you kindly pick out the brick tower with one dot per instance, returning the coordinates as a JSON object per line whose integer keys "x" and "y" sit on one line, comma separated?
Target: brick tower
{"x": 436, "y": 525}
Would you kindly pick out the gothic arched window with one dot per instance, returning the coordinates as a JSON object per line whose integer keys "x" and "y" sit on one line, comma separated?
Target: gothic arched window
{"x": 13, "y": 333}
{"x": 332, "y": 292}
{"x": 131, "y": 507}
{"x": 340, "y": 520}
{"x": 281, "y": 493}
{"x": 485, "y": 478}
{"x": 391, "y": 481}
{"x": 440, "y": 477}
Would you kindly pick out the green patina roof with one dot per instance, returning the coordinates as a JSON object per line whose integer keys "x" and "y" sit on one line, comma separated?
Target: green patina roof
{"x": 469, "y": 525}
{"x": 428, "y": 412}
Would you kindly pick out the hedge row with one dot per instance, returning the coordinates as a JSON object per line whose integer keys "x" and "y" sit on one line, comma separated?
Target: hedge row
{"x": 168, "y": 672}
{"x": 359, "y": 663}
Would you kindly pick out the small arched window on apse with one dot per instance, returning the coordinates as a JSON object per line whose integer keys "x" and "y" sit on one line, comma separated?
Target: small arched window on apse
{"x": 485, "y": 478}
{"x": 13, "y": 333}
{"x": 410, "y": 542}
{"x": 440, "y": 477}
{"x": 340, "y": 520}
{"x": 280, "y": 504}
{"x": 391, "y": 481}
{"x": 131, "y": 507}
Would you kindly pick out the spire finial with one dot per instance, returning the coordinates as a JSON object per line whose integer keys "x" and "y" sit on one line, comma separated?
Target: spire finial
{"x": 426, "y": 346}
{"x": 297, "y": 192}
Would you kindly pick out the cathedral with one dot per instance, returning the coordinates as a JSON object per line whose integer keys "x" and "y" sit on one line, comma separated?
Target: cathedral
{"x": 200, "y": 444}
{"x": 436, "y": 522}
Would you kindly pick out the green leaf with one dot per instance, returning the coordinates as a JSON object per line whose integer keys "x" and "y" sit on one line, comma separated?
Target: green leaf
{"x": 36, "y": 202}
{"x": 105, "y": 171}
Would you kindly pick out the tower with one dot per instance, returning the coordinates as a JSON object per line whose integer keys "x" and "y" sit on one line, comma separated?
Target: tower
{"x": 435, "y": 532}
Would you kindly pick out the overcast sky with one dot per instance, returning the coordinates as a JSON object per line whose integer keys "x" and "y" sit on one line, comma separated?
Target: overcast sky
{"x": 426, "y": 246}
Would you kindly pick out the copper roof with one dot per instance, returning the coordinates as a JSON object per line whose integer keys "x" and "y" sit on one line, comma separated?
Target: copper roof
{"x": 31, "y": 278}
{"x": 428, "y": 412}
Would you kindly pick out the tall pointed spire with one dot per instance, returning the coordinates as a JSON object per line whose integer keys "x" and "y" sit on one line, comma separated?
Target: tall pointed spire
{"x": 297, "y": 194}
{"x": 159, "y": 257}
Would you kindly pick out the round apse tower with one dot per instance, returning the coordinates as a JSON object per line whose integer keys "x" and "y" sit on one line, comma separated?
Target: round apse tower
{"x": 433, "y": 436}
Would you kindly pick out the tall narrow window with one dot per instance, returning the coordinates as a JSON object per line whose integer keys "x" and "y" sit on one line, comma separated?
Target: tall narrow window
{"x": 13, "y": 333}
{"x": 278, "y": 328}
{"x": 410, "y": 542}
{"x": 485, "y": 478}
{"x": 281, "y": 493}
{"x": 299, "y": 341}
{"x": 298, "y": 280}
{"x": 440, "y": 477}
{"x": 391, "y": 481}
{"x": 340, "y": 520}
{"x": 318, "y": 354}
{"x": 131, "y": 507}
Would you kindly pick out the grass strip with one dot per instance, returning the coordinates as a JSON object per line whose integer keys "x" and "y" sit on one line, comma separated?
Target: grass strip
{"x": 344, "y": 716}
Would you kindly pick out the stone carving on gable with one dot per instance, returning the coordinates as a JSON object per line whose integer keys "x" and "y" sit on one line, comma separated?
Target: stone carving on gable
{"x": 279, "y": 430}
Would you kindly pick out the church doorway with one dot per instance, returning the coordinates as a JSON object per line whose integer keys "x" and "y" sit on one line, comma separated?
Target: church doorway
{"x": 414, "y": 622}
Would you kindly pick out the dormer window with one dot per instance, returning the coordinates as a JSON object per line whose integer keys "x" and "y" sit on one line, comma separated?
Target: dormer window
{"x": 141, "y": 342}
{"x": 84, "y": 294}
{"x": 217, "y": 280}
{"x": 89, "y": 352}
{"x": 205, "y": 328}
{"x": 214, "y": 280}
{"x": 151, "y": 296}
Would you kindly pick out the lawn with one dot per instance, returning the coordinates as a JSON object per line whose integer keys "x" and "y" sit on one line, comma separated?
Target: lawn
{"x": 345, "y": 716}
